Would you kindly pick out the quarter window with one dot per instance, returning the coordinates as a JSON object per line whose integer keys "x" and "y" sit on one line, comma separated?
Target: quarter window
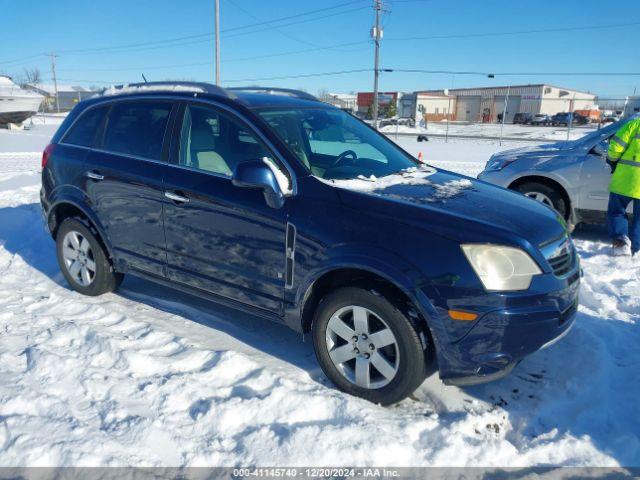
{"x": 85, "y": 130}
{"x": 214, "y": 142}
{"x": 137, "y": 128}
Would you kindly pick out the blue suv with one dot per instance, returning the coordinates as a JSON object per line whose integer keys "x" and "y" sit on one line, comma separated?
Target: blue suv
{"x": 272, "y": 202}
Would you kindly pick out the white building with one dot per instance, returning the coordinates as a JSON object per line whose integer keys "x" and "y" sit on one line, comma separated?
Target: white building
{"x": 484, "y": 104}
{"x": 434, "y": 107}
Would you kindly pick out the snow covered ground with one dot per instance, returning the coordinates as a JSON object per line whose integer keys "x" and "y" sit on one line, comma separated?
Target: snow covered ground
{"x": 148, "y": 376}
{"x": 480, "y": 130}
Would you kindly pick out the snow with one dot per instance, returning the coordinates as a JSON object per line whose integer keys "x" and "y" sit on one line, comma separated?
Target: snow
{"x": 410, "y": 176}
{"x": 150, "y": 376}
{"x": 118, "y": 90}
{"x": 281, "y": 178}
{"x": 480, "y": 130}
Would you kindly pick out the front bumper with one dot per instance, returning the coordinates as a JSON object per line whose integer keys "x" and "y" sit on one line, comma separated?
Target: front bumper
{"x": 510, "y": 327}
{"x": 501, "y": 178}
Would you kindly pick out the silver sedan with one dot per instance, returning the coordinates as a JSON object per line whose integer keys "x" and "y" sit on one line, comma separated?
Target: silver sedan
{"x": 572, "y": 177}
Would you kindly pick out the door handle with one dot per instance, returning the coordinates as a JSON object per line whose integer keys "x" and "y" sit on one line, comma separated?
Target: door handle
{"x": 95, "y": 176}
{"x": 175, "y": 197}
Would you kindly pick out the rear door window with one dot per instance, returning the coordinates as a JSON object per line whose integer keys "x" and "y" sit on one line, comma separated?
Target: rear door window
{"x": 85, "y": 130}
{"x": 137, "y": 128}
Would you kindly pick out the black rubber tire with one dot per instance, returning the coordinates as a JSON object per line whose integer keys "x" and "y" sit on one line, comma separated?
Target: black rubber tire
{"x": 106, "y": 278}
{"x": 413, "y": 358}
{"x": 559, "y": 203}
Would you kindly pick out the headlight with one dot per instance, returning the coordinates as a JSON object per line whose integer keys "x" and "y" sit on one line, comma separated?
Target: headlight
{"x": 501, "y": 268}
{"x": 498, "y": 163}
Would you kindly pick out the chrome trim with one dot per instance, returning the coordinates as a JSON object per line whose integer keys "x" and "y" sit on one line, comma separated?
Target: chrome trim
{"x": 559, "y": 337}
{"x": 290, "y": 255}
{"x": 176, "y": 198}
{"x": 94, "y": 176}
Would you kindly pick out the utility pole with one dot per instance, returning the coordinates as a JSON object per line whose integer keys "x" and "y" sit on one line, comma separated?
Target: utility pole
{"x": 55, "y": 79}
{"x": 376, "y": 33}
{"x": 217, "y": 42}
{"x": 504, "y": 112}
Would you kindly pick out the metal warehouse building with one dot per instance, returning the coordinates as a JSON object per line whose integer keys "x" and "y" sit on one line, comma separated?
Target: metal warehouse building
{"x": 486, "y": 103}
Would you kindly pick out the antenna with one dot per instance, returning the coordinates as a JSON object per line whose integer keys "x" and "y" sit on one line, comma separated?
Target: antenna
{"x": 144, "y": 78}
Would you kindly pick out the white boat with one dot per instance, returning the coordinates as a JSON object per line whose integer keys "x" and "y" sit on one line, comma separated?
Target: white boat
{"x": 16, "y": 104}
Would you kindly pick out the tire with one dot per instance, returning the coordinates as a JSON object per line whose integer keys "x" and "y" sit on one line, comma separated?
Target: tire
{"x": 77, "y": 258}
{"x": 545, "y": 194}
{"x": 406, "y": 356}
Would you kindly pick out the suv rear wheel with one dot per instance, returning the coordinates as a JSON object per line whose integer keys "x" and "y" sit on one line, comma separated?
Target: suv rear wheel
{"x": 367, "y": 346}
{"x": 83, "y": 260}
{"x": 544, "y": 194}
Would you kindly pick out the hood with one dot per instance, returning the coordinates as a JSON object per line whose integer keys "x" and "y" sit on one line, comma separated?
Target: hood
{"x": 548, "y": 149}
{"x": 454, "y": 206}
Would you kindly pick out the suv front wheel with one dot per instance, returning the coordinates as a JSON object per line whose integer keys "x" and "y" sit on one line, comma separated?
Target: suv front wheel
{"x": 83, "y": 260}
{"x": 367, "y": 346}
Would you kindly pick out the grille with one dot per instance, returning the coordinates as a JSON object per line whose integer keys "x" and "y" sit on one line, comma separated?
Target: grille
{"x": 563, "y": 263}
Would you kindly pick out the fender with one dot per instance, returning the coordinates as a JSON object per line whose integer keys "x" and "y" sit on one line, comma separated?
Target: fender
{"x": 383, "y": 263}
{"x": 71, "y": 195}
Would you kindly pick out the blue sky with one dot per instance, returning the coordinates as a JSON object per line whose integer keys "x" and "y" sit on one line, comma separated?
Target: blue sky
{"x": 85, "y": 35}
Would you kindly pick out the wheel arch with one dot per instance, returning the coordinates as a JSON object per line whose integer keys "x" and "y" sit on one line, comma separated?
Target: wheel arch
{"x": 551, "y": 183}
{"x": 367, "y": 277}
{"x": 68, "y": 208}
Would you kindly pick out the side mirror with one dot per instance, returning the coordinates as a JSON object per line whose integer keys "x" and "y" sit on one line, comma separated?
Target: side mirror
{"x": 601, "y": 149}
{"x": 423, "y": 138}
{"x": 257, "y": 174}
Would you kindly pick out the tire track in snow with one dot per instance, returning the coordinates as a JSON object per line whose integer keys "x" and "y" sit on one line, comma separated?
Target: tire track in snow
{"x": 127, "y": 379}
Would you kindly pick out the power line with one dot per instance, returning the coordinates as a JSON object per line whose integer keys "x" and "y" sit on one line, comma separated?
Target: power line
{"x": 277, "y": 29}
{"x": 289, "y": 17}
{"x": 40, "y": 55}
{"x": 207, "y": 35}
{"x": 296, "y": 52}
{"x": 230, "y": 60}
{"x": 517, "y": 32}
{"x": 298, "y": 22}
{"x": 304, "y": 75}
{"x": 506, "y": 74}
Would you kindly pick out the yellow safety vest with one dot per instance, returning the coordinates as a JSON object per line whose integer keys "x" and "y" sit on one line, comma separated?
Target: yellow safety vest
{"x": 624, "y": 152}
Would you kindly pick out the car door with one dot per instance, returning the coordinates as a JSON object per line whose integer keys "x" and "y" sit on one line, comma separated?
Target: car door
{"x": 124, "y": 175}
{"x": 221, "y": 238}
{"x": 595, "y": 176}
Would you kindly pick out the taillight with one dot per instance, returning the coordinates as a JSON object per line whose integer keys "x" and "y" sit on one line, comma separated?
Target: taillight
{"x": 47, "y": 153}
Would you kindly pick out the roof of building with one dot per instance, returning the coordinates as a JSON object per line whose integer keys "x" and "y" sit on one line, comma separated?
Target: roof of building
{"x": 502, "y": 87}
{"x": 51, "y": 89}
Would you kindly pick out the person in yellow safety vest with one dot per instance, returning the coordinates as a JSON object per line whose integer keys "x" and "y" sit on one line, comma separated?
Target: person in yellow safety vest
{"x": 624, "y": 159}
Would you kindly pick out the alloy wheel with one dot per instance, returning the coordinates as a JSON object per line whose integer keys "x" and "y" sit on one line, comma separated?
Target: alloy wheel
{"x": 78, "y": 258}
{"x": 540, "y": 197}
{"x": 362, "y": 347}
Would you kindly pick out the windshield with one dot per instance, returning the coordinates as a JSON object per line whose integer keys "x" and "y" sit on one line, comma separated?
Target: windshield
{"x": 600, "y": 134}
{"x": 334, "y": 145}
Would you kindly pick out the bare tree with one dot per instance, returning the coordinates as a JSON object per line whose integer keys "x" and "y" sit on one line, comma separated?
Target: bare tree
{"x": 29, "y": 76}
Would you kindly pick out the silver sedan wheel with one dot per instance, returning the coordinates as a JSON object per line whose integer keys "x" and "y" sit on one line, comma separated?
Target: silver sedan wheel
{"x": 78, "y": 258}
{"x": 362, "y": 347}
{"x": 540, "y": 197}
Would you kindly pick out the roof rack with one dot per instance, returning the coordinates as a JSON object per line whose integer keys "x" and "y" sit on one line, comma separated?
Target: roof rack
{"x": 282, "y": 91}
{"x": 196, "y": 87}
